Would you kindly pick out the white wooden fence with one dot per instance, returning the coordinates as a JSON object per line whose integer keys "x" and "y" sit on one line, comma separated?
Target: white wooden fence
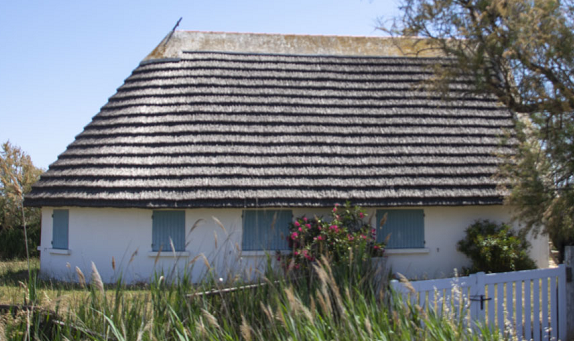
{"x": 530, "y": 303}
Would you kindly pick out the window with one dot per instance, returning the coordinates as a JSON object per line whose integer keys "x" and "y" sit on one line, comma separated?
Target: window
{"x": 168, "y": 225}
{"x": 266, "y": 230}
{"x": 405, "y": 227}
{"x": 60, "y": 221}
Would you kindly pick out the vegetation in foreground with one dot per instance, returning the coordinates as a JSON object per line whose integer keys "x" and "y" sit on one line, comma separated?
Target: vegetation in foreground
{"x": 341, "y": 303}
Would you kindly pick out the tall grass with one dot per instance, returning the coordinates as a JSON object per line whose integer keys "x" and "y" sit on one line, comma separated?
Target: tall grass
{"x": 328, "y": 303}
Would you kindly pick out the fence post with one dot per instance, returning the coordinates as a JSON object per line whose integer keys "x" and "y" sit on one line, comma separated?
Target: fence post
{"x": 476, "y": 297}
{"x": 569, "y": 262}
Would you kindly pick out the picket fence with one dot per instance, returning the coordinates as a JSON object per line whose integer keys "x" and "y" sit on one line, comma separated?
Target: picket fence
{"x": 530, "y": 303}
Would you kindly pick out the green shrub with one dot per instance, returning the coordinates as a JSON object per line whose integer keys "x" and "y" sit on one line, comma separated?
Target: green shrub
{"x": 495, "y": 248}
{"x": 12, "y": 244}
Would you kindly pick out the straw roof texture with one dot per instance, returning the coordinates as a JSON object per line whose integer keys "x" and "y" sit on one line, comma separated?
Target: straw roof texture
{"x": 221, "y": 129}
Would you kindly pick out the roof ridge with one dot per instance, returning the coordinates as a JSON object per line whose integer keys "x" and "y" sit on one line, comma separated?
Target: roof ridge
{"x": 177, "y": 41}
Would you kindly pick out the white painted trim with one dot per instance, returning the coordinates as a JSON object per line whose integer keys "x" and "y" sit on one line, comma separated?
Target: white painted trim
{"x": 263, "y": 253}
{"x": 406, "y": 251}
{"x": 59, "y": 251}
{"x": 168, "y": 254}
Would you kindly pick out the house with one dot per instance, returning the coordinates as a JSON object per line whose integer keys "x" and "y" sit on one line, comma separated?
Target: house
{"x": 215, "y": 135}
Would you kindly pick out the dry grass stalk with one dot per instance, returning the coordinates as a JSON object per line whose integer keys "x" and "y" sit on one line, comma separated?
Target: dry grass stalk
{"x": 3, "y": 324}
{"x": 325, "y": 307}
{"x": 279, "y": 316}
{"x": 81, "y": 277}
{"x": 348, "y": 294}
{"x": 134, "y": 254}
{"x": 194, "y": 259}
{"x": 145, "y": 329}
{"x": 291, "y": 298}
{"x": 219, "y": 224}
{"x": 296, "y": 305}
{"x": 368, "y": 326}
{"x": 172, "y": 246}
{"x": 210, "y": 318}
{"x": 196, "y": 224}
{"x": 383, "y": 220}
{"x": 205, "y": 261}
{"x": 157, "y": 256}
{"x": 201, "y": 327}
{"x": 268, "y": 312}
{"x": 97, "y": 279}
{"x": 407, "y": 283}
{"x": 245, "y": 329}
{"x": 330, "y": 279}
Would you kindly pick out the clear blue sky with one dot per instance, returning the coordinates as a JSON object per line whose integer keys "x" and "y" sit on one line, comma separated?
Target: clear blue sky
{"x": 61, "y": 60}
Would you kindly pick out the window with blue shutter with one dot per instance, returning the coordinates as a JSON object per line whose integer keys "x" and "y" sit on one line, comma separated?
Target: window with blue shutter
{"x": 405, "y": 228}
{"x": 266, "y": 230}
{"x": 168, "y": 225}
{"x": 60, "y": 221}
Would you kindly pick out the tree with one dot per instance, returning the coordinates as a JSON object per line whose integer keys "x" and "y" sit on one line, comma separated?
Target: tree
{"x": 522, "y": 51}
{"x": 17, "y": 174}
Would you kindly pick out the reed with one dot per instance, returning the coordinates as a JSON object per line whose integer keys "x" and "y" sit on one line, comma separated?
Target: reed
{"x": 327, "y": 303}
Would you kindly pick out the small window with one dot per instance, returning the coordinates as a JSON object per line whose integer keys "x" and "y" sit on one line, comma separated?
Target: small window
{"x": 405, "y": 228}
{"x": 266, "y": 230}
{"x": 168, "y": 225}
{"x": 60, "y": 221}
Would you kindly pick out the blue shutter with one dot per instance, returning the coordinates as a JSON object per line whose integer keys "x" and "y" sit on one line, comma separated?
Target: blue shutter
{"x": 60, "y": 219}
{"x": 406, "y": 228}
{"x": 260, "y": 233}
{"x": 166, "y": 225}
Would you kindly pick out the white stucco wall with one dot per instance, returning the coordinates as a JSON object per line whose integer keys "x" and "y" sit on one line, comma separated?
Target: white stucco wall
{"x": 98, "y": 234}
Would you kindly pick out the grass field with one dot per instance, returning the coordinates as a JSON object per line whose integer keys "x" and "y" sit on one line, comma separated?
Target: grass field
{"x": 331, "y": 304}
{"x": 12, "y": 275}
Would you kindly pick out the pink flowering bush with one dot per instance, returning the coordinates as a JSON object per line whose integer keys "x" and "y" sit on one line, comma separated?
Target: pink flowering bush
{"x": 340, "y": 238}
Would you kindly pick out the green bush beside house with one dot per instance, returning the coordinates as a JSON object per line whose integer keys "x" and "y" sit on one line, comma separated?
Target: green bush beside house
{"x": 495, "y": 248}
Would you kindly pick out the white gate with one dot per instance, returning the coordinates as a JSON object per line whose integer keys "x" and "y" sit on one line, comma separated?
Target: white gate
{"x": 530, "y": 303}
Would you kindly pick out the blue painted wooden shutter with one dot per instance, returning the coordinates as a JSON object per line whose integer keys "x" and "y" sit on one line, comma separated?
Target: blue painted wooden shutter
{"x": 166, "y": 225}
{"x": 60, "y": 221}
{"x": 260, "y": 233}
{"x": 406, "y": 228}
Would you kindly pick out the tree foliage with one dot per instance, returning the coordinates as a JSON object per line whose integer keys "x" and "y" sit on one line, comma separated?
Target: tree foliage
{"x": 522, "y": 52}
{"x": 17, "y": 174}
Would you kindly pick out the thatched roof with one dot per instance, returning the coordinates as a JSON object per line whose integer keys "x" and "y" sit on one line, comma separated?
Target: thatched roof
{"x": 243, "y": 120}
